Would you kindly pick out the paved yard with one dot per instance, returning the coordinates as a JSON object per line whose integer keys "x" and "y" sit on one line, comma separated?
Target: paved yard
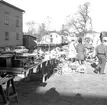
{"x": 67, "y": 89}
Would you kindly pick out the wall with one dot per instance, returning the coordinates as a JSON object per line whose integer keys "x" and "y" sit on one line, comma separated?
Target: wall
{"x": 56, "y": 39}
{"x": 28, "y": 41}
{"x": 1, "y": 26}
{"x": 11, "y": 28}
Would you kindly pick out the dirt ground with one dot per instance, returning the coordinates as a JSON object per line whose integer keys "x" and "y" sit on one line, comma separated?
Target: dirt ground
{"x": 66, "y": 89}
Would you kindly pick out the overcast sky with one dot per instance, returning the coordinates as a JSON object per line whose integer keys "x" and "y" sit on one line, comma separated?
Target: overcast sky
{"x": 38, "y": 10}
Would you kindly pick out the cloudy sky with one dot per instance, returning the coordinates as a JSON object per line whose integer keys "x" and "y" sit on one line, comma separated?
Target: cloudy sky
{"x": 38, "y": 10}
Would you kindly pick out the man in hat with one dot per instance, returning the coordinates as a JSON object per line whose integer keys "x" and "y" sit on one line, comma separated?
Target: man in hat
{"x": 101, "y": 54}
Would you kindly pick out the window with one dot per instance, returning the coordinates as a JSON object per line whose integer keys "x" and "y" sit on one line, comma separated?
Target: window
{"x": 51, "y": 39}
{"x": 17, "y": 36}
{"x": 6, "y": 35}
{"x": 6, "y": 18}
{"x": 17, "y": 21}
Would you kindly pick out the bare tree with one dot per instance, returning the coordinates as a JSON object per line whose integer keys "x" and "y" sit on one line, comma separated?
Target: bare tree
{"x": 81, "y": 23}
{"x": 43, "y": 28}
{"x": 31, "y": 27}
{"x": 64, "y": 30}
{"x": 47, "y": 22}
{"x": 38, "y": 29}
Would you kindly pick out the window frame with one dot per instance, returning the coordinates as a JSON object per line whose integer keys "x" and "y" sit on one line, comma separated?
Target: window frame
{"x": 51, "y": 38}
{"x": 17, "y": 36}
{"x": 6, "y": 18}
{"x": 17, "y": 21}
{"x": 6, "y": 35}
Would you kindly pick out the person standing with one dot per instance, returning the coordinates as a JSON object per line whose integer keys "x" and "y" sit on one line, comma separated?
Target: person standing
{"x": 101, "y": 54}
{"x": 80, "y": 49}
{"x": 72, "y": 51}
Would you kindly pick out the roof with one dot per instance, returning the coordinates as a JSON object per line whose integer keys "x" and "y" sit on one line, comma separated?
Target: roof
{"x": 53, "y": 32}
{"x": 30, "y": 36}
{"x": 10, "y": 5}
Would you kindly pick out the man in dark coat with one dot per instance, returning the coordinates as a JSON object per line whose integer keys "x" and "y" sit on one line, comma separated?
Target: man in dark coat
{"x": 101, "y": 54}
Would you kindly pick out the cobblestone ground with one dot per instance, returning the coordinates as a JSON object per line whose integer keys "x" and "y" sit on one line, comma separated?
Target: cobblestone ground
{"x": 66, "y": 89}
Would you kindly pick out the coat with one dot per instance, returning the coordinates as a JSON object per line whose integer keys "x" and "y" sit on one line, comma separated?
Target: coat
{"x": 80, "y": 49}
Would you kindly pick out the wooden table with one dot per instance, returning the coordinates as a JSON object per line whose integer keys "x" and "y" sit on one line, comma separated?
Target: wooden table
{"x": 11, "y": 70}
{"x": 6, "y": 94}
{"x": 46, "y": 68}
{"x": 26, "y": 55}
{"x": 5, "y": 60}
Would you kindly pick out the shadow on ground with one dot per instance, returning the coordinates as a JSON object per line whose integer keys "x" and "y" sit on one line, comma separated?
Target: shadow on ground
{"x": 29, "y": 94}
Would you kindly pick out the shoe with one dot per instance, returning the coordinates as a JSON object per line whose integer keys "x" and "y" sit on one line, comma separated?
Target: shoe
{"x": 99, "y": 69}
{"x": 95, "y": 71}
{"x": 101, "y": 73}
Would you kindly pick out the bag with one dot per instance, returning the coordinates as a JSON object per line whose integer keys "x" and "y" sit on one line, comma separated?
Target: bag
{"x": 94, "y": 65}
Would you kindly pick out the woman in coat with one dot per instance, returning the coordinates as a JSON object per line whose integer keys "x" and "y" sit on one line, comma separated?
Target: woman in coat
{"x": 80, "y": 49}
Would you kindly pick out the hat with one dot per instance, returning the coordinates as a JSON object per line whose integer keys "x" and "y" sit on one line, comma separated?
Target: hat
{"x": 103, "y": 34}
{"x": 80, "y": 40}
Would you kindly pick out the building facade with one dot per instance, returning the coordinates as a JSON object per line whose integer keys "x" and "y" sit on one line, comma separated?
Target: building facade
{"x": 11, "y": 25}
{"x": 52, "y": 38}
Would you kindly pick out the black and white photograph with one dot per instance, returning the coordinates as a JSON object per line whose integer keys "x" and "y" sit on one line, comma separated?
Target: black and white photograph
{"x": 53, "y": 52}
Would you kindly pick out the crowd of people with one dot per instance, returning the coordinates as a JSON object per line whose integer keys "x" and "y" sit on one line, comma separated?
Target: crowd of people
{"x": 100, "y": 53}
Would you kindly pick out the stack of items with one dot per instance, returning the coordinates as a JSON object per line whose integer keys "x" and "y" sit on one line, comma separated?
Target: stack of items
{"x": 76, "y": 67}
{"x": 81, "y": 69}
{"x": 66, "y": 69}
